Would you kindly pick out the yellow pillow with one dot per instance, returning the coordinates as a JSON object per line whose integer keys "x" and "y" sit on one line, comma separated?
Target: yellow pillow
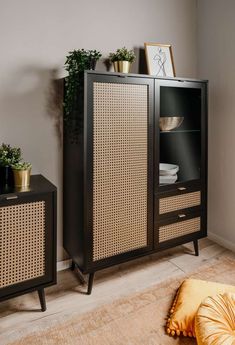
{"x": 215, "y": 321}
{"x": 187, "y": 301}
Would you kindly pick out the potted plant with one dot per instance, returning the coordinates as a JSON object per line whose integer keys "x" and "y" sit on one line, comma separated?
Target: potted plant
{"x": 76, "y": 62}
{"x": 21, "y": 171}
{"x": 8, "y": 156}
{"x": 122, "y": 59}
{"x": 93, "y": 57}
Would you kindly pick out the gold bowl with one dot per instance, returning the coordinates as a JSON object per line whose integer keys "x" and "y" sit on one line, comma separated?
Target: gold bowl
{"x": 170, "y": 122}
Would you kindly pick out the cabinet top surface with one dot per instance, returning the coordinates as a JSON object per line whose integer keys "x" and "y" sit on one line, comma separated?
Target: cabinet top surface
{"x": 38, "y": 184}
{"x": 127, "y": 75}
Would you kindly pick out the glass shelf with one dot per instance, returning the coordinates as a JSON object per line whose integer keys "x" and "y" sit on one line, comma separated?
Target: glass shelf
{"x": 178, "y": 182}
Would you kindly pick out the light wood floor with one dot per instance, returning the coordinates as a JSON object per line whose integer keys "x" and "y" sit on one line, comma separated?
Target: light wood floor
{"x": 21, "y": 315}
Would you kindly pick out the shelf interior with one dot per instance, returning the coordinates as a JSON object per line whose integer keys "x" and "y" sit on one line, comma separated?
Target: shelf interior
{"x": 182, "y": 145}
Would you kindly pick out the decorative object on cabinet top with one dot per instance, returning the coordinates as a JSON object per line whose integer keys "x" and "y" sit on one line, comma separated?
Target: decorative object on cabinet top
{"x": 12, "y": 170}
{"x": 159, "y": 59}
{"x": 21, "y": 172}
{"x": 77, "y": 61}
{"x": 38, "y": 184}
{"x": 168, "y": 123}
{"x": 122, "y": 59}
{"x": 9, "y": 155}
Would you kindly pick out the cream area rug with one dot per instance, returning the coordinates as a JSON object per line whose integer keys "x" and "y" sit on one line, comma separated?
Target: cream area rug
{"x": 135, "y": 320}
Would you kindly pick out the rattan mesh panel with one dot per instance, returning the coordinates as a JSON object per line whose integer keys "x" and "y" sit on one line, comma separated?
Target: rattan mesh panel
{"x": 179, "y": 202}
{"x": 120, "y": 168}
{"x": 168, "y": 232}
{"x": 22, "y": 242}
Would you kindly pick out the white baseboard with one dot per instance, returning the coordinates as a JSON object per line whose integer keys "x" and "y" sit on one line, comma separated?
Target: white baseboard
{"x": 218, "y": 239}
{"x": 63, "y": 265}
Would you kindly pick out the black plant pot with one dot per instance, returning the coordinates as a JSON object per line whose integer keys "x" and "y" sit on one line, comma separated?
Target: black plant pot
{"x": 92, "y": 64}
{"x": 6, "y": 176}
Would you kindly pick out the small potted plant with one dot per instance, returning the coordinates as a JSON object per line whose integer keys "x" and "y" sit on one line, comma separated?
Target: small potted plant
{"x": 21, "y": 173}
{"x": 122, "y": 59}
{"x": 93, "y": 57}
{"x": 8, "y": 156}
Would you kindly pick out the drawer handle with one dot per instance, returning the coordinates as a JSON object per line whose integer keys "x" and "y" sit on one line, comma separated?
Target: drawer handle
{"x": 12, "y": 197}
{"x": 181, "y": 215}
{"x": 182, "y": 188}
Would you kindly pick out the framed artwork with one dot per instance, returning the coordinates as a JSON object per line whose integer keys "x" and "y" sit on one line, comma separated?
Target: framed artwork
{"x": 159, "y": 59}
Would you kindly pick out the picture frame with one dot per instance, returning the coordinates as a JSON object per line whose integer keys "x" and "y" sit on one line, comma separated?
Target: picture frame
{"x": 159, "y": 59}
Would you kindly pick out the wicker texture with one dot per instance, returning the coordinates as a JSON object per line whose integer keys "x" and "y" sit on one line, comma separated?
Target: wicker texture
{"x": 179, "y": 202}
{"x": 22, "y": 242}
{"x": 120, "y": 159}
{"x": 189, "y": 226}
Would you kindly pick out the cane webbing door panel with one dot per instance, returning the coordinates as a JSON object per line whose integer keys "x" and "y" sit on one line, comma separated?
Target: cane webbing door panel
{"x": 22, "y": 242}
{"x": 120, "y": 222}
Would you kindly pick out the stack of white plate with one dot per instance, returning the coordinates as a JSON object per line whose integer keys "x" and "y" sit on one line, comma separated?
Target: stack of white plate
{"x": 168, "y": 173}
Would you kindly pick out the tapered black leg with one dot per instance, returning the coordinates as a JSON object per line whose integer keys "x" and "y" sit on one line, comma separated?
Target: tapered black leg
{"x": 73, "y": 266}
{"x": 90, "y": 283}
{"x": 196, "y": 248}
{"x": 41, "y": 295}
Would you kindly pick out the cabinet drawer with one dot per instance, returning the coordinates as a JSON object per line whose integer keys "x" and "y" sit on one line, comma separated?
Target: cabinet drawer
{"x": 178, "y": 229}
{"x": 179, "y": 202}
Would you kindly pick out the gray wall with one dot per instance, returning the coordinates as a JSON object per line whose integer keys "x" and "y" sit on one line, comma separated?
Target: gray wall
{"x": 216, "y": 62}
{"x": 35, "y": 38}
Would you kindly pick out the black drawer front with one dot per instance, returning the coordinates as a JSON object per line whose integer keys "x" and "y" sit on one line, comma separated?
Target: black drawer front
{"x": 183, "y": 226}
{"x": 180, "y": 188}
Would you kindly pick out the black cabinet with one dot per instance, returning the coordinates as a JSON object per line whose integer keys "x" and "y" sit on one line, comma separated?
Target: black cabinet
{"x": 116, "y": 204}
{"x": 28, "y": 239}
